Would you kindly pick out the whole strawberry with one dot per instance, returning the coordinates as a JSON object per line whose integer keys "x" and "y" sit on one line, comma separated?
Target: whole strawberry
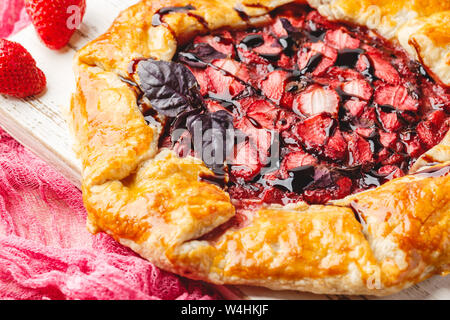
{"x": 56, "y": 20}
{"x": 19, "y": 76}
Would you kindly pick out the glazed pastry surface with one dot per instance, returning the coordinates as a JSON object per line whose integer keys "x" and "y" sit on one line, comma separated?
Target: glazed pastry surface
{"x": 376, "y": 242}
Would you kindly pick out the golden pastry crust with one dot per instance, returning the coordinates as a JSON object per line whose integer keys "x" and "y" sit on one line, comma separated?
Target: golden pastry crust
{"x": 155, "y": 203}
{"x": 428, "y": 40}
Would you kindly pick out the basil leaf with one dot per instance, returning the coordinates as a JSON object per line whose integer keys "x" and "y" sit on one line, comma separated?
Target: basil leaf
{"x": 219, "y": 122}
{"x": 171, "y": 87}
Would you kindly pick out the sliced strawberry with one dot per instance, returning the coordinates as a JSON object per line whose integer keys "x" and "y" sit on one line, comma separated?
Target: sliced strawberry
{"x": 278, "y": 28}
{"x": 246, "y": 164}
{"x": 273, "y": 87}
{"x": 203, "y": 80}
{"x": 365, "y": 132}
{"x": 369, "y": 116}
{"x": 317, "y": 196}
{"x": 358, "y": 88}
{"x": 229, "y": 78}
{"x": 318, "y": 59}
{"x": 315, "y": 130}
{"x": 262, "y": 43}
{"x": 233, "y": 67}
{"x": 214, "y": 106}
{"x": 243, "y": 192}
{"x": 287, "y": 62}
{"x": 336, "y": 147}
{"x": 429, "y": 131}
{"x": 260, "y": 111}
{"x": 222, "y": 42}
{"x": 394, "y": 158}
{"x": 342, "y": 188}
{"x": 360, "y": 151}
{"x": 339, "y": 39}
{"x": 437, "y": 118}
{"x": 413, "y": 146}
{"x": 271, "y": 46}
{"x": 297, "y": 159}
{"x": 399, "y": 147}
{"x": 390, "y": 172}
{"x": 363, "y": 64}
{"x": 326, "y": 81}
{"x": 355, "y": 107}
{"x": 273, "y": 175}
{"x": 383, "y": 155}
{"x": 251, "y": 58}
{"x": 378, "y": 134}
{"x": 387, "y": 139}
{"x": 288, "y": 100}
{"x": 445, "y": 128}
{"x": 316, "y": 99}
{"x": 260, "y": 137}
{"x": 383, "y": 69}
{"x": 344, "y": 74}
{"x": 286, "y": 120}
{"x": 222, "y": 83}
{"x": 391, "y": 121}
{"x": 396, "y": 96}
{"x": 296, "y": 20}
{"x": 273, "y": 195}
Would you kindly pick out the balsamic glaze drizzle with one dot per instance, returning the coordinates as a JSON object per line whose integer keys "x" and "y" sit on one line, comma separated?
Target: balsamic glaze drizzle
{"x": 252, "y": 41}
{"x": 157, "y": 19}
{"x": 219, "y": 179}
{"x": 348, "y": 57}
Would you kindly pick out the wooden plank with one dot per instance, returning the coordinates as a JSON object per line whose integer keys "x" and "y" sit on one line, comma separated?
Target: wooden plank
{"x": 39, "y": 125}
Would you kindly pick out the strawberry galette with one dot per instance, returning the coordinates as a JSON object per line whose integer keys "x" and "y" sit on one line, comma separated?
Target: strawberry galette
{"x": 283, "y": 144}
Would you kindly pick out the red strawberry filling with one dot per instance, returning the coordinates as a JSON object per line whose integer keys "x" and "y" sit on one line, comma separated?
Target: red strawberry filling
{"x": 316, "y": 100}
{"x": 327, "y": 110}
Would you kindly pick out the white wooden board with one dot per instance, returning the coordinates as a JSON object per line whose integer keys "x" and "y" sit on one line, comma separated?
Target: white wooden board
{"x": 39, "y": 125}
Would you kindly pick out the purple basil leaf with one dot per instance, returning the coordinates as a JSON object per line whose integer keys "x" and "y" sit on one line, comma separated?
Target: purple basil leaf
{"x": 220, "y": 121}
{"x": 171, "y": 87}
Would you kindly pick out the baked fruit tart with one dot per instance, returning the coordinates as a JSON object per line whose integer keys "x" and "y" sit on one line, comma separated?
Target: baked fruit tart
{"x": 283, "y": 144}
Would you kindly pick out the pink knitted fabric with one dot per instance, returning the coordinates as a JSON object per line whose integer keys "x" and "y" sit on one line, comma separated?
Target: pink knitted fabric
{"x": 45, "y": 250}
{"x": 12, "y": 17}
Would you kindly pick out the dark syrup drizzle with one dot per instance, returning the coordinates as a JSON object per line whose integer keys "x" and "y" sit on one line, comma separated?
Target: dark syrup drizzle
{"x": 218, "y": 178}
{"x": 200, "y": 19}
{"x": 157, "y": 19}
{"x": 348, "y": 57}
{"x": 252, "y": 41}
{"x": 312, "y": 63}
{"x": 242, "y": 14}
